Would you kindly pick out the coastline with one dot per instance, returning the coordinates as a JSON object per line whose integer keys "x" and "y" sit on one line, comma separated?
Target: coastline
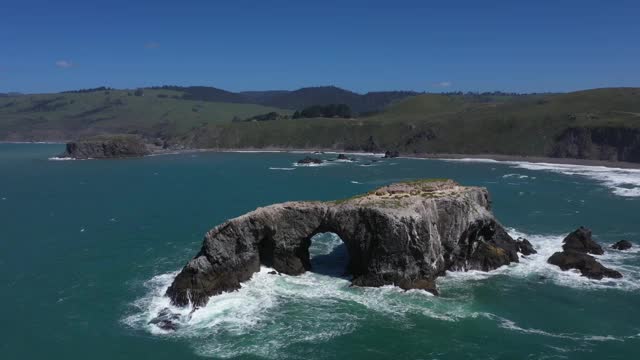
{"x": 428, "y": 156}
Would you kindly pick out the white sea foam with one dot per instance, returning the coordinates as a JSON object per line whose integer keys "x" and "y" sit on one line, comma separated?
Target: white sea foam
{"x": 536, "y": 266}
{"x": 268, "y": 306}
{"x": 324, "y": 163}
{"x": 519, "y": 176}
{"x": 55, "y": 158}
{"x": 622, "y": 182}
{"x": 511, "y": 325}
{"x": 355, "y": 182}
{"x": 253, "y": 319}
{"x": 282, "y": 168}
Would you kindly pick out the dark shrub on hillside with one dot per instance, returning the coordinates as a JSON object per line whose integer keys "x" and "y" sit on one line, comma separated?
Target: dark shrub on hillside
{"x": 326, "y": 111}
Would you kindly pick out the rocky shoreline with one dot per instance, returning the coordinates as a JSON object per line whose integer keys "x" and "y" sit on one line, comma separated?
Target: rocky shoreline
{"x": 106, "y": 147}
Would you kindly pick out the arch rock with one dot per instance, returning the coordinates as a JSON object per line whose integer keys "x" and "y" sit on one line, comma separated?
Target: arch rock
{"x": 404, "y": 234}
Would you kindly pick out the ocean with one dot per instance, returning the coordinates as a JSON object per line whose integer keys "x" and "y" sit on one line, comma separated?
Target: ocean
{"x": 87, "y": 249}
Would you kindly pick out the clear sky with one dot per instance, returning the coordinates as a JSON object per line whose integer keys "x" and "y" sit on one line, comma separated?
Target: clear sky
{"x": 524, "y": 46}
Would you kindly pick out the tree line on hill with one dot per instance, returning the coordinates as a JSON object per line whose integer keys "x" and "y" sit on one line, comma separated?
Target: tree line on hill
{"x": 325, "y": 111}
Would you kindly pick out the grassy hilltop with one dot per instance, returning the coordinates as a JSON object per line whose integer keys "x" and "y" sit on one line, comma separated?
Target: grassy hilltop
{"x": 595, "y": 124}
{"x": 152, "y": 113}
{"x": 431, "y": 123}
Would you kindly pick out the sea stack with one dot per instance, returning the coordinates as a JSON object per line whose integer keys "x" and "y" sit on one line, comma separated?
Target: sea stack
{"x": 575, "y": 255}
{"x": 405, "y": 234}
{"x": 106, "y": 147}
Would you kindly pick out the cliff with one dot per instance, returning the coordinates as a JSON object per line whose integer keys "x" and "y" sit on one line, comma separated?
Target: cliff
{"x": 106, "y": 147}
{"x": 405, "y": 234}
{"x": 599, "y": 143}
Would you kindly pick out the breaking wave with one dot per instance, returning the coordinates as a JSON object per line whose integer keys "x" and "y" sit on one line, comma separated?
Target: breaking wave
{"x": 622, "y": 182}
{"x": 321, "y": 305}
{"x": 536, "y": 266}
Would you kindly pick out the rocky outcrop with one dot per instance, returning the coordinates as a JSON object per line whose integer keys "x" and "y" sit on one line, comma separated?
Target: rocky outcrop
{"x": 405, "y": 234}
{"x": 525, "y": 247}
{"x": 598, "y": 143}
{"x": 585, "y": 263}
{"x": 391, "y": 154}
{"x": 106, "y": 147}
{"x": 575, "y": 255}
{"x": 622, "y": 245}
{"x": 580, "y": 240}
{"x": 309, "y": 161}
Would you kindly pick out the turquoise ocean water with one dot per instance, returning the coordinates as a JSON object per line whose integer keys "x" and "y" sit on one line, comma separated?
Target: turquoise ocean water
{"x": 87, "y": 249}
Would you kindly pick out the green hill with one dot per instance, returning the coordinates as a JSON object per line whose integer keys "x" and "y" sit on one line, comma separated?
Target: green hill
{"x": 595, "y": 124}
{"x": 152, "y": 113}
{"x": 592, "y": 124}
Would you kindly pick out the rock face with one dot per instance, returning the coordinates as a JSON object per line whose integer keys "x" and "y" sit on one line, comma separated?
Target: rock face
{"x": 599, "y": 143}
{"x": 404, "y": 234}
{"x": 622, "y": 245}
{"x": 587, "y": 265}
{"x": 525, "y": 247}
{"x": 106, "y": 147}
{"x": 575, "y": 255}
{"x": 391, "y": 154}
{"x": 309, "y": 160}
{"x": 580, "y": 240}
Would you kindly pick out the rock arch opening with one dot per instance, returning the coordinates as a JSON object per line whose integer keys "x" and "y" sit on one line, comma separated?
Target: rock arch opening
{"x": 329, "y": 255}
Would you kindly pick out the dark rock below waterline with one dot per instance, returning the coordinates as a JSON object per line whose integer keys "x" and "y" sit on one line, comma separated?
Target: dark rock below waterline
{"x": 622, "y": 245}
{"x": 107, "y": 147}
{"x": 580, "y": 240}
{"x": 309, "y": 160}
{"x": 404, "y": 234}
{"x": 585, "y": 263}
{"x": 166, "y": 320}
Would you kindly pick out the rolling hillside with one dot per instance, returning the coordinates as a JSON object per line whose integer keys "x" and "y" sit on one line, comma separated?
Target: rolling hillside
{"x": 599, "y": 124}
{"x": 592, "y": 124}
{"x": 152, "y": 113}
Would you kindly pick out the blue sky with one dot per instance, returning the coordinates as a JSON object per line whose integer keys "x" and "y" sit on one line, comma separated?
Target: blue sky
{"x": 524, "y": 46}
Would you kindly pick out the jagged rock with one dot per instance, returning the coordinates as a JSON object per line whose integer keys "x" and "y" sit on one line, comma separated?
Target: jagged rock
{"x": 404, "y": 234}
{"x": 577, "y": 246}
{"x": 106, "y": 147}
{"x": 342, "y": 157}
{"x": 525, "y": 247}
{"x": 622, "y": 245}
{"x": 309, "y": 160}
{"x": 587, "y": 264}
{"x": 391, "y": 154}
{"x": 580, "y": 240}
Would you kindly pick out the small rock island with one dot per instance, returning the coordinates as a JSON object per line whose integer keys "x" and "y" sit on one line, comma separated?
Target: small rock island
{"x": 106, "y": 147}
{"x": 404, "y": 234}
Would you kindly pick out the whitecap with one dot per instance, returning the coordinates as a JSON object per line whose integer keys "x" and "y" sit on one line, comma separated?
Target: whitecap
{"x": 355, "y": 182}
{"x": 324, "y": 163}
{"x": 622, "y": 182}
{"x": 282, "y": 168}
{"x": 536, "y": 265}
{"x": 55, "y": 158}
{"x": 511, "y": 325}
{"x": 519, "y": 176}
